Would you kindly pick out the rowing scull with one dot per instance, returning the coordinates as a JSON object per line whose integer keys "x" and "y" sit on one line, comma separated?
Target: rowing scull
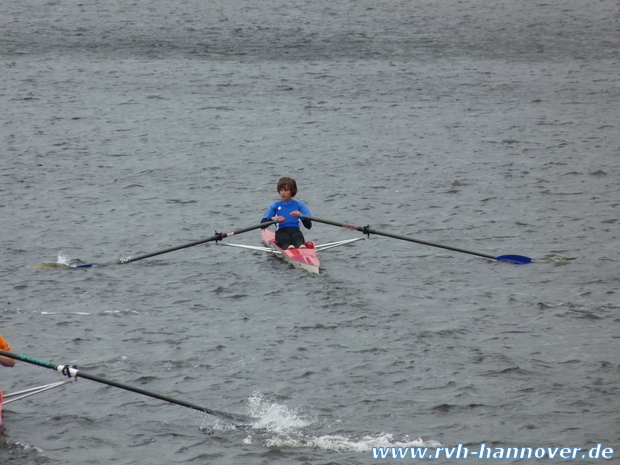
{"x": 302, "y": 258}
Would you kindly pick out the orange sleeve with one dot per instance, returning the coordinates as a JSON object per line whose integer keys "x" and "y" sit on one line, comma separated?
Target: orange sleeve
{"x": 4, "y": 345}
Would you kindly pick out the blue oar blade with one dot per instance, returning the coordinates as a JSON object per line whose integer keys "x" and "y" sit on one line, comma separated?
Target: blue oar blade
{"x": 516, "y": 259}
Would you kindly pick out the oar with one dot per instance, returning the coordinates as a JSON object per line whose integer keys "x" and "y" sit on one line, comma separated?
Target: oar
{"x": 216, "y": 237}
{"x": 74, "y": 372}
{"x": 517, "y": 259}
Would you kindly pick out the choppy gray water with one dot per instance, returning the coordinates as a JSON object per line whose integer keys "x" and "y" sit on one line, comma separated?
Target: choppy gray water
{"x": 128, "y": 128}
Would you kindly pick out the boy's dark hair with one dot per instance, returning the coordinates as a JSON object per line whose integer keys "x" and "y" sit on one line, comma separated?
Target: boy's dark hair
{"x": 290, "y": 183}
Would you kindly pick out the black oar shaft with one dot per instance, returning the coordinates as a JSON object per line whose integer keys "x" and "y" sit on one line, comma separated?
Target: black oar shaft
{"x": 367, "y": 230}
{"x": 69, "y": 371}
{"x": 171, "y": 400}
{"x": 432, "y": 244}
{"x": 216, "y": 237}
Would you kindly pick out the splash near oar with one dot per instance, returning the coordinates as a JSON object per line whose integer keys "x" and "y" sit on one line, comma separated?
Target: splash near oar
{"x": 215, "y": 238}
{"x": 63, "y": 263}
{"x": 73, "y": 372}
{"x": 516, "y": 259}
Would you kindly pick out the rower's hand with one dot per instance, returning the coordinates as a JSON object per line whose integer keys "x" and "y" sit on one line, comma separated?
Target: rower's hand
{"x": 279, "y": 219}
{"x": 296, "y": 214}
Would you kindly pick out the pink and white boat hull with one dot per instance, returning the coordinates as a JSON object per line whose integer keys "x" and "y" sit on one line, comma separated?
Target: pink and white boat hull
{"x": 304, "y": 258}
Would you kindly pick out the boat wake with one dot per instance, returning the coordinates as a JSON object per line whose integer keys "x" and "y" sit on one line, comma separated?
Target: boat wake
{"x": 557, "y": 260}
{"x": 279, "y": 426}
{"x": 339, "y": 443}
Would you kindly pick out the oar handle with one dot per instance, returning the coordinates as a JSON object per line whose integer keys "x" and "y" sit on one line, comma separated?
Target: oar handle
{"x": 335, "y": 223}
{"x": 74, "y": 373}
{"x": 216, "y": 237}
{"x": 25, "y": 358}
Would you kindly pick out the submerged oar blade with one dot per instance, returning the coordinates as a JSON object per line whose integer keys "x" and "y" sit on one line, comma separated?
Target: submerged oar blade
{"x": 516, "y": 259}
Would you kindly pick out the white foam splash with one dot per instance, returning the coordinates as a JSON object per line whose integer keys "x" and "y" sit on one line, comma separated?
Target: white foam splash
{"x": 280, "y": 426}
{"x": 67, "y": 261}
{"x": 339, "y": 443}
{"x": 65, "y": 313}
{"x": 218, "y": 426}
{"x": 63, "y": 259}
{"x": 274, "y": 417}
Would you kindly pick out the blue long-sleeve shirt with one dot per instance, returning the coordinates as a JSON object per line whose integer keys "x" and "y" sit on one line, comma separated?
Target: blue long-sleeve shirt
{"x": 281, "y": 208}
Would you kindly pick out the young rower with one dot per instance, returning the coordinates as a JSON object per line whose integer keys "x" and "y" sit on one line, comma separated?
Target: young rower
{"x": 5, "y": 361}
{"x": 287, "y": 212}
